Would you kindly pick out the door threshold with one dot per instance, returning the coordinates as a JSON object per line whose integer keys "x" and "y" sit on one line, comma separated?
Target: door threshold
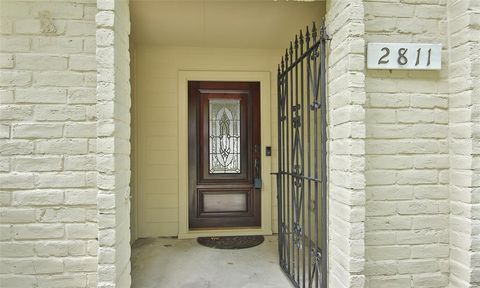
{"x": 224, "y": 228}
{"x": 217, "y": 232}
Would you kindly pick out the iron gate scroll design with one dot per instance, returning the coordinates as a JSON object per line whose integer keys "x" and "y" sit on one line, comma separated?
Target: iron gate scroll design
{"x": 301, "y": 177}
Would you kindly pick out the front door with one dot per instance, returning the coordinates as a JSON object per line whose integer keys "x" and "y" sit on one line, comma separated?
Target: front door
{"x": 224, "y": 154}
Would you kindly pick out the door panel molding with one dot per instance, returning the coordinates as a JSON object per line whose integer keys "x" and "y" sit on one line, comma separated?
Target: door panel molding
{"x": 266, "y": 194}
{"x": 244, "y": 209}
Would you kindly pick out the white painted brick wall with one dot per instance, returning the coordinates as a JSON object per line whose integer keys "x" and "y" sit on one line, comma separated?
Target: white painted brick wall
{"x": 113, "y": 147}
{"x": 404, "y": 159}
{"x": 407, "y": 161}
{"x": 464, "y": 28}
{"x": 48, "y": 192}
{"x": 346, "y": 92}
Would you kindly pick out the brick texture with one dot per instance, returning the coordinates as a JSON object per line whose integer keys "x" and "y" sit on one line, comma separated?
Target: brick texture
{"x": 464, "y": 88}
{"x": 47, "y": 206}
{"x": 404, "y": 146}
{"x": 346, "y": 102}
{"x": 113, "y": 146}
{"x": 407, "y": 160}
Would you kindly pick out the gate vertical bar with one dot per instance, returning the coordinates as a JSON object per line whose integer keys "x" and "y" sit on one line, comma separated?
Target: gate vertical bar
{"x": 307, "y": 39}
{"x": 295, "y": 147}
{"x": 284, "y": 154}
{"x": 323, "y": 99}
{"x": 302, "y": 140}
{"x": 287, "y": 164}
{"x": 279, "y": 179}
{"x": 302, "y": 160}
{"x": 290, "y": 146}
{"x": 315, "y": 137}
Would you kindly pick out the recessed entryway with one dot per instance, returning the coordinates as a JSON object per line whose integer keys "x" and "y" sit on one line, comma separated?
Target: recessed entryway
{"x": 201, "y": 41}
{"x": 178, "y": 70}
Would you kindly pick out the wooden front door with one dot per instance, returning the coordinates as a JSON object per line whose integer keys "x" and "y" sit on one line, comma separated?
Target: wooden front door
{"x": 224, "y": 154}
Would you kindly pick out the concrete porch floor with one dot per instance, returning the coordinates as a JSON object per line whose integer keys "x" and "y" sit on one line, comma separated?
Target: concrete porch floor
{"x": 173, "y": 263}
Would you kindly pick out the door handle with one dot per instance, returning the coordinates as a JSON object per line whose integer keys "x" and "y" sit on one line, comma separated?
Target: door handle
{"x": 258, "y": 178}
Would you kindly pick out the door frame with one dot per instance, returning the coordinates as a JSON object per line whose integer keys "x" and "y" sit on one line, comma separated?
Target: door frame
{"x": 265, "y": 134}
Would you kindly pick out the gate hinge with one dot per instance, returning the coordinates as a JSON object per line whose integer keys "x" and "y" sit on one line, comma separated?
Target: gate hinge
{"x": 323, "y": 32}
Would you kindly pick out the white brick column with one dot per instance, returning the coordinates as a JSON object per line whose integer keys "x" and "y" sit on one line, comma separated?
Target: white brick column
{"x": 346, "y": 93}
{"x": 475, "y": 74}
{"x": 113, "y": 142}
{"x": 464, "y": 136}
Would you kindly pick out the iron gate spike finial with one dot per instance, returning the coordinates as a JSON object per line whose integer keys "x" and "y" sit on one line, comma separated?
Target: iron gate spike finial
{"x": 296, "y": 42}
{"x": 301, "y": 40}
{"x": 286, "y": 57}
{"x": 291, "y": 51}
{"x": 314, "y": 32}
{"x": 282, "y": 65}
{"x": 307, "y": 37}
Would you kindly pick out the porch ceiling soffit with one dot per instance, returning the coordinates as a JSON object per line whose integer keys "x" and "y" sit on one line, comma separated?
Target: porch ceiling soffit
{"x": 223, "y": 24}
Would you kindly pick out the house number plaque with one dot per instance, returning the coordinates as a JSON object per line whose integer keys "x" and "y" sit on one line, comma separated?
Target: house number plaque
{"x": 404, "y": 56}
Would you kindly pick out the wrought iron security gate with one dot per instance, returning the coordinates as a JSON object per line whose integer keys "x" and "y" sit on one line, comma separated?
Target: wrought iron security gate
{"x": 302, "y": 178}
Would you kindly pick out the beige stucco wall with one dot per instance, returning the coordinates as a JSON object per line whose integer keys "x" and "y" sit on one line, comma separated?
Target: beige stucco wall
{"x": 156, "y": 120}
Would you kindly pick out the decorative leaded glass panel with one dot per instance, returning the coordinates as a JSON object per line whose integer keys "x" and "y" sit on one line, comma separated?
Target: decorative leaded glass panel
{"x": 224, "y": 136}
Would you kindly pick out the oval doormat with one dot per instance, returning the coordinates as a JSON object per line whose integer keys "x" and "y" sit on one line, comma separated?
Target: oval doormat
{"x": 231, "y": 242}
